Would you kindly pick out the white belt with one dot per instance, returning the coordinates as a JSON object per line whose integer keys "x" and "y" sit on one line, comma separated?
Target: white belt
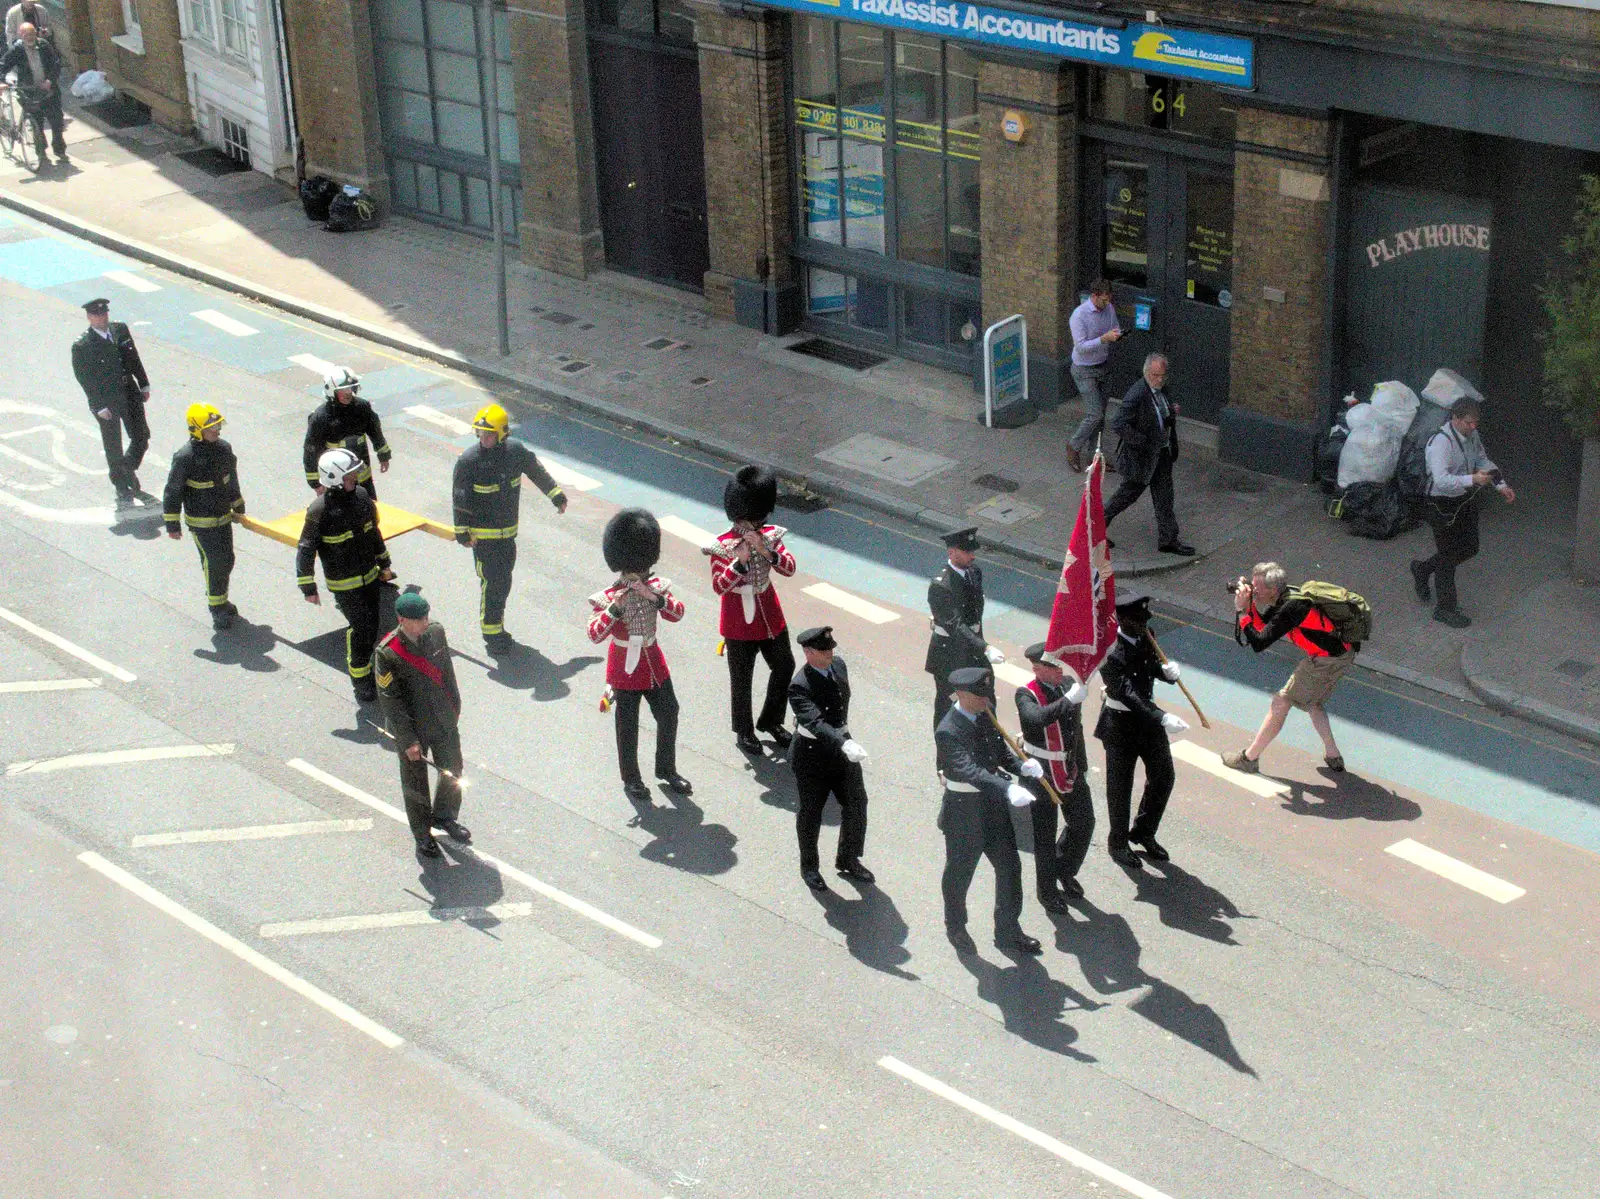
{"x": 810, "y": 736}
{"x": 747, "y": 594}
{"x": 635, "y": 644}
{"x": 950, "y": 786}
{"x": 1116, "y": 705}
{"x": 1047, "y": 755}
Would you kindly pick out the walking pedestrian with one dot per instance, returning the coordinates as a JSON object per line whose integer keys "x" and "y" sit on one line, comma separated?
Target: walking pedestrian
{"x": 34, "y": 58}
{"x": 827, "y": 759}
{"x": 1095, "y": 330}
{"x": 29, "y": 12}
{"x": 1459, "y": 469}
{"x": 203, "y": 488}
{"x": 955, "y": 605}
{"x": 344, "y": 421}
{"x": 108, "y": 368}
{"x": 1051, "y": 714}
{"x": 1146, "y": 424}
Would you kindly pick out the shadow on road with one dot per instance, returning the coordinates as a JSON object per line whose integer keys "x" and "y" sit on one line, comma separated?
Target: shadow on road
{"x": 526, "y": 669}
{"x": 1350, "y": 798}
{"x": 683, "y": 839}
{"x": 1032, "y": 1003}
{"x": 245, "y": 645}
{"x": 1185, "y": 903}
{"x": 461, "y": 880}
{"x": 874, "y": 931}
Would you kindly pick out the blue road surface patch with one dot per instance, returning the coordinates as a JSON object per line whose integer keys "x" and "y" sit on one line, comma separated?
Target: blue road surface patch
{"x": 50, "y": 262}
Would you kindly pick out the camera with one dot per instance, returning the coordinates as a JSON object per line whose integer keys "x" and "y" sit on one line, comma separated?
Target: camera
{"x": 1496, "y": 477}
{"x": 1232, "y": 586}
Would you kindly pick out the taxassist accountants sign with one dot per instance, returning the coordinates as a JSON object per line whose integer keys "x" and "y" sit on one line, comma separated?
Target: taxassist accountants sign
{"x": 1158, "y": 49}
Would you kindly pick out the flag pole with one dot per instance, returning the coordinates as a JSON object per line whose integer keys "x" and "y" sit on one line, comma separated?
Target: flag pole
{"x": 1156, "y": 645}
{"x": 1055, "y": 796}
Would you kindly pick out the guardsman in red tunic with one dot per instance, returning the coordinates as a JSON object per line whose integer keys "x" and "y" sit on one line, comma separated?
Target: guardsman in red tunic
{"x": 626, "y": 612}
{"x": 1051, "y": 713}
{"x": 743, "y": 561}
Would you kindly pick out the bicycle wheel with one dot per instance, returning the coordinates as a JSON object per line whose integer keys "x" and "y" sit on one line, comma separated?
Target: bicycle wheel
{"x": 27, "y": 148}
{"x": 8, "y": 125}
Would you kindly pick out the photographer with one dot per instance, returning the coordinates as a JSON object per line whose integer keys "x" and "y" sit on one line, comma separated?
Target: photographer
{"x": 1458, "y": 470}
{"x": 1267, "y": 611}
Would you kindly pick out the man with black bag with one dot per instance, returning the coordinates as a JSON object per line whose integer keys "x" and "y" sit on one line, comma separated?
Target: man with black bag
{"x": 108, "y": 368}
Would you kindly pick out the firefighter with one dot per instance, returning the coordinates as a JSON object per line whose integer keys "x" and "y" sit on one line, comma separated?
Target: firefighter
{"x": 487, "y": 489}
{"x": 344, "y": 421}
{"x": 203, "y": 488}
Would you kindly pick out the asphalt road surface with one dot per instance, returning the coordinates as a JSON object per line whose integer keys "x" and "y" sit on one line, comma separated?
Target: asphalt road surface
{"x": 227, "y": 974}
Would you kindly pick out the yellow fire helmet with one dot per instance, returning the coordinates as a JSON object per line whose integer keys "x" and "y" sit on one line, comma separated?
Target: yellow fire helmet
{"x": 201, "y": 417}
{"x": 494, "y": 419}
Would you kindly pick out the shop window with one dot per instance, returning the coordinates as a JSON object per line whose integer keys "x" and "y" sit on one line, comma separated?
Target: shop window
{"x": 1124, "y": 223}
{"x": 862, "y": 304}
{"x": 672, "y": 20}
{"x": 1208, "y": 240}
{"x": 1156, "y": 102}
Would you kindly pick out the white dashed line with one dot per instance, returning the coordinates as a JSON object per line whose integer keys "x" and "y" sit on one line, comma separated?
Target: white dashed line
{"x": 243, "y": 952}
{"x": 450, "y": 424}
{"x": 317, "y": 366}
{"x": 344, "y": 788}
{"x": 254, "y": 832}
{"x": 1211, "y": 763}
{"x": 48, "y": 685}
{"x": 119, "y": 757}
{"x": 61, "y": 643}
{"x": 567, "y": 477}
{"x": 693, "y": 534}
{"x": 853, "y": 604}
{"x": 223, "y": 321}
{"x": 351, "y": 924}
{"x": 1447, "y": 867}
{"x": 1044, "y": 1141}
{"x": 1015, "y": 675}
{"x": 132, "y": 281}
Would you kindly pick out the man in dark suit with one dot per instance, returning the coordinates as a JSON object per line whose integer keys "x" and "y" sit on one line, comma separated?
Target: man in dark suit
{"x": 107, "y": 365}
{"x": 1051, "y": 714}
{"x": 1146, "y": 424}
{"x": 955, "y": 602}
{"x": 827, "y": 760}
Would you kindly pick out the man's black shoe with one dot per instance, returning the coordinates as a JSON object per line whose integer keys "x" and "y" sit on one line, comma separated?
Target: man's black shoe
{"x": 1072, "y": 887}
{"x": 856, "y": 871}
{"x": 1153, "y": 849}
{"x": 814, "y": 879}
{"x": 1125, "y": 857}
{"x": 455, "y": 830}
{"x": 125, "y": 501}
{"x": 429, "y": 849}
{"x": 1054, "y": 903}
{"x": 962, "y": 941}
{"x": 498, "y": 644}
{"x": 1454, "y": 617}
{"x": 781, "y": 737}
{"x": 366, "y": 691}
{"x": 678, "y": 784}
{"x": 748, "y": 743}
{"x": 221, "y": 618}
{"x": 1419, "y": 582}
{"x": 637, "y": 792}
{"x": 1022, "y": 943}
{"x": 1182, "y": 549}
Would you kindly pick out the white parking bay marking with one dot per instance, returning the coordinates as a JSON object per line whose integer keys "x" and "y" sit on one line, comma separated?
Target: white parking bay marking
{"x": 1015, "y": 675}
{"x": 132, "y": 281}
{"x": 344, "y": 788}
{"x": 254, "y": 832}
{"x": 119, "y": 757}
{"x": 693, "y": 534}
{"x": 48, "y": 685}
{"x": 568, "y": 477}
{"x": 351, "y": 924}
{"x": 1456, "y": 871}
{"x": 1211, "y": 763}
{"x": 450, "y": 424}
{"x": 61, "y": 643}
{"x": 317, "y": 366}
{"x": 226, "y": 323}
{"x": 243, "y": 952}
{"x": 853, "y": 604}
{"x": 1000, "y": 1120}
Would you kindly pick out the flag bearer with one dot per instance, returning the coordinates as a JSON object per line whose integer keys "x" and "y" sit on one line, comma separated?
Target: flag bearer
{"x": 1051, "y": 713}
{"x": 203, "y": 488}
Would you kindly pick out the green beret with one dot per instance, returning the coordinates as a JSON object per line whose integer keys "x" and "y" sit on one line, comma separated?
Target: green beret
{"x": 411, "y": 605}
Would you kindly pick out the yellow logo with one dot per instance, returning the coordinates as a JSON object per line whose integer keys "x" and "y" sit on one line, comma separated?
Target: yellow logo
{"x": 1154, "y": 46}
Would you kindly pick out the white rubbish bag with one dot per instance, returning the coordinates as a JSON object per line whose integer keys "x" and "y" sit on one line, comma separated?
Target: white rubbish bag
{"x": 91, "y": 87}
{"x": 1372, "y": 451}
{"x": 1446, "y": 387}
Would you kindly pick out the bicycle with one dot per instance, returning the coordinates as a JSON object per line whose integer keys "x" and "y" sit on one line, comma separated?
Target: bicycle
{"x": 19, "y": 128}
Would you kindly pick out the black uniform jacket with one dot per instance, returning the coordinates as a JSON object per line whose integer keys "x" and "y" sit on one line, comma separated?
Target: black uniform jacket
{"x": 821, "y": 704}
{"x": 488, "y": 486}
{"x": 335, "y": 426}
{"x": 420, "y": 703}
{"x": 1036, "y": 718}
{"x": 16, "y": 59}
{"x": 1141, "y": 438}
{"x": 956, "y": 605}
{"x": 342, "y": 529}
{"x": 203, "y": 485}
{"x": 1129, "y": 672}
{"x": 109, "y": 372}
{"x": 975, "y": 753}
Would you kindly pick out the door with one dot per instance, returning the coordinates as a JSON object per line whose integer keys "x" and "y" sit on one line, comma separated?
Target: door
{"x": 1163, "y": 236}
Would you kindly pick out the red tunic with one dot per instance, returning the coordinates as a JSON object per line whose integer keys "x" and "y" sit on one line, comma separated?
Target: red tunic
{"x": 650, "y": 670}
{"x": 750, "y": 607}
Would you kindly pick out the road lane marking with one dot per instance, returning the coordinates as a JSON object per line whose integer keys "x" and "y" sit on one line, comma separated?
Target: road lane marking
{"x": 48, "y": 685}
{"x": 1046, "y": 1142}
{"x": 243, "y": 952}
{"x": 226, "y": 323}
{"x": 254, "y": 832}
{"x": 507, "y": 870}
{"x": 61, "y": 643}
{"x": 568, "y": 477}
{"x": 1211, "y": 763}
{"x": 1006, "y": 672}
{"x": 119, "y": 757}
{"x": 350, "y": 924}
{"x": 1445, "y": 866}
{"x": 450, "y": 424}
{"x": 131, "y": 281}
{"x": 853, "y": 604}
{"x": 693, "y": 534}
{"x": 317, "y": 366}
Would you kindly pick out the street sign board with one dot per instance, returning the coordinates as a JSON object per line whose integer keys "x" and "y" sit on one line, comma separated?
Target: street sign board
{"x": 1005, "y": 365}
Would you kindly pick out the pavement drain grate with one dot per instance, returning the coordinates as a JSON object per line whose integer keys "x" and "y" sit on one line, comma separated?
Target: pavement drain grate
{"x": 560, "y": 318}
{"x": 997, "y": 483}
{"x": 659, "y": 343}
{"x": 699, "y": 381}
{"x": 625, "y": 376}
{"x": 576, "y": 367}
{"x": 831, "y": 351}
{"x": 801, "y": 501}
{"x": 1575, "y": 669}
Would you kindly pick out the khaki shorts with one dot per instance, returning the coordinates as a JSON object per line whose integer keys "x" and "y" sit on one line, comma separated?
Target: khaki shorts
{"x": 1314, "y": 680}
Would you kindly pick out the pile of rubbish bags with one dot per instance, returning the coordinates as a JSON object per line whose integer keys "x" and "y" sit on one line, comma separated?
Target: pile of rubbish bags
{"x": 342, "y": 209}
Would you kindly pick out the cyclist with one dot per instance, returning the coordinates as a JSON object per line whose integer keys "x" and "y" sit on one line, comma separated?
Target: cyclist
{"x": 38, "y": 69}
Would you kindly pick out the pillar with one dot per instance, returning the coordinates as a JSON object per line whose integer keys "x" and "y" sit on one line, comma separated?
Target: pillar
{"x": 335, "y": 91}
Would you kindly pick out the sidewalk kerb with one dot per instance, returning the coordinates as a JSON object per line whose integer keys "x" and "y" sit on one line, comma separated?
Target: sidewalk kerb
{"x": 1514, "y": 703}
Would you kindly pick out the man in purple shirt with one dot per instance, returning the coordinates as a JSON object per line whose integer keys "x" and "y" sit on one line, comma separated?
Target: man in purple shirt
{"x": 1094, "y": 330}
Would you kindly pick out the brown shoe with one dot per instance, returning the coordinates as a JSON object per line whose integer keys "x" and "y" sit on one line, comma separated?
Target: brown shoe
{"x": 1236, "y": 760}
{"x": 1074, "y": 459}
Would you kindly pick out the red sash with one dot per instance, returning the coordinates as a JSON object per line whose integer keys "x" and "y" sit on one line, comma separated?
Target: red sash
{"x": 1060, "y": 773}
{"x": 429, "y": 671}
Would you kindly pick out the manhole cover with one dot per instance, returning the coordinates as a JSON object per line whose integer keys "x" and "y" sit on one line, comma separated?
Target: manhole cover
{"x": 829, "y": 351}
{"x": 1575, "y": 669}
{"x": 576, "y": 367}
{"x": 997, "y": 483}
{"x": 659, "y": 343}
{"x": 885, "y": 459}
{"x": 559, "y": 318}
{"x": 1006, "y": 511}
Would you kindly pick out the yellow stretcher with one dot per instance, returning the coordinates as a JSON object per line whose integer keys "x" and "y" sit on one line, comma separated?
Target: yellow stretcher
{"x": 392, "y": 522}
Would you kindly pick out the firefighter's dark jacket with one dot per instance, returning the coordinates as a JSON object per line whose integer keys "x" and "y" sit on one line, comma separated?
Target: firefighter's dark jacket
{"x": 488, "y": 486}
{"x": 203, "y": 486}
{"x": 336, "y": 426}
{"x": 342, "y": 529}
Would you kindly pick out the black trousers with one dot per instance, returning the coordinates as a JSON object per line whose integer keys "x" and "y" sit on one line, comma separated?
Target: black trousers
{"x": 1135, "y": 744}
{"x": 216, "y": 561}
{"x": 1160, "y": 485}
{"x": 1058, "y": 859}
{"x": 815, "y": 781}
{"x": 741, "y": 657}
{"x": 495, "y": 560}
{"x": 46, "y": 110}
{"x": 1455, "y": 538}
{"x": 663, "y": 703}
{"x": 122, "y": 463}
{"x": 422, "y": 812}
{"x": 977, "y": 826}
{"x": 360, "y": 609}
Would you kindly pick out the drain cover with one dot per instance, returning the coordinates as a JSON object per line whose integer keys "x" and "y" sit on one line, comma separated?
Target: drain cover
{"x": 830, "y": 351}
{"x": 1575, "y": 669}
{"x": 559, "y": 318}
{"x": 576, "y": 367}
{"x": 997, "y": 483}
{"x": 659, "y": 343}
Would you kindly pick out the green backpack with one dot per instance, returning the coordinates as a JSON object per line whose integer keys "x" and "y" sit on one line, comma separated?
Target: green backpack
{"x": 1350, "y": 614}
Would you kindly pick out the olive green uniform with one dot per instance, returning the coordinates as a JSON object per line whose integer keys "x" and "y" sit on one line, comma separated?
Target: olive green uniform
{"x": 421, "y": 704}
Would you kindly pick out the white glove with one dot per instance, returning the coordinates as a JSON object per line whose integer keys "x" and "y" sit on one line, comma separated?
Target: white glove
{"x": 1170, "y": 672}
{"x": 1019, "y": 795}
{"x": 1077, "y": 693}
{"x": 995, "y": 656}
{"x": 854, "y": 750}
{"x": 1032, "y": 768}
{"x": 1174, "y": 724}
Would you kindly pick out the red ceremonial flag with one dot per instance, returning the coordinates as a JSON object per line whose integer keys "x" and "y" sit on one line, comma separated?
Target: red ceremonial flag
{"x": 1083, "y": 621}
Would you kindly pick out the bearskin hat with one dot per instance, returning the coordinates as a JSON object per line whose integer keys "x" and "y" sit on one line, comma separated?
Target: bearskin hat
{"x": 632, "y": 541}
{"x": 751, "y": 495}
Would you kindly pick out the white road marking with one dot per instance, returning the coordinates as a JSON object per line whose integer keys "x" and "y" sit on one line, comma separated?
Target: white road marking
{"x": 132, "y": 281}
{"x": 450, "y": 424}
{"x": 1006, "y": 672}
{"x": 317, "y": 366}
{"x": 555, "y": 894}
{"x": 223, "y": 321}
{"x": 1445, "y": 866}
{"x": 48, "y": 685}
{"x": 693, "y": 534}
{"x": 119, "y": 757}
{"x": 100, "y": 517}
{"x": 1211, "y": 763}
{"x": 61, "y": 643}
{"x": 1048, "y": 1143}
{"x": 254, "y": 832}
{"x": 853, "y": 604}
{"x": 243, "y": 952}
{"x": 350, "y": 924}
{"x": 567, "y": 477}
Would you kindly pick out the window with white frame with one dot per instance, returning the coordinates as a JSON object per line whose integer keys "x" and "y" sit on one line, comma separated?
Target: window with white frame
{"x": 201, "y": 26}
{"x": 233, "y": 29}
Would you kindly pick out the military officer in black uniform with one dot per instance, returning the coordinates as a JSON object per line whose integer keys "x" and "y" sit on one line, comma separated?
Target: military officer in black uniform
{"x": 1133, "y": 729}
{"x": 487, "y": 490}
{"x": 1051, "y": 714}
{"x": 827, "y": 759}
{"x": 108, "y": 368}
{"x": 344, "y": 421}
{"x": 341, "y": 528}
{"x": 203, "y": 488}
{"x": 955, "y": 604}
{"x": 974, "y": 816}
{"x": 421, "y": 705}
